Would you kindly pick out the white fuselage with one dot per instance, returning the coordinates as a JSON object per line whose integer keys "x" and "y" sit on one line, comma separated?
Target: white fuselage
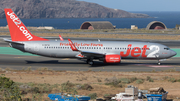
{"x": 126, "y": 49}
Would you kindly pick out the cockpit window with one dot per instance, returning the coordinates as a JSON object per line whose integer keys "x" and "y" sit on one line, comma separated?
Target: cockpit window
{"x": 166, "y": 48}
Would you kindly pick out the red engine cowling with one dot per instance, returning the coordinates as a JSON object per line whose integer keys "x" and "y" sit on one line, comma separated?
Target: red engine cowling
{"x": 115, "y": 58}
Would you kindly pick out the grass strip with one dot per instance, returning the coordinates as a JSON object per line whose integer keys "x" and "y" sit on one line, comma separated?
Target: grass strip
{"x": 12, "y": 51}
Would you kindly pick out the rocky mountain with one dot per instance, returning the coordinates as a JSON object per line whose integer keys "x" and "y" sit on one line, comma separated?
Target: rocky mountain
{"x": 62, "y": 9}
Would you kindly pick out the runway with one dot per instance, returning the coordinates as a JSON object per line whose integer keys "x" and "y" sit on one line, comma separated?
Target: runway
{"x": 20, "y": 62}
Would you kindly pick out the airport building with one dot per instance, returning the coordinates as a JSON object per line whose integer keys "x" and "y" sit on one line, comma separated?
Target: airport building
{"x": 97, "y": 25}
{"x": 156, "y": 25}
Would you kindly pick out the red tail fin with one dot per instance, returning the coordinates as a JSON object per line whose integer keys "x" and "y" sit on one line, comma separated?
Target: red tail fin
{"x": 18, "y": 30}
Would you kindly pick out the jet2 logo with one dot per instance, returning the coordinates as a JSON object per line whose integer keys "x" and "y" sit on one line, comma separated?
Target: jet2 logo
{"x": 20, "y": 25}
{"x": 137, "y": 51}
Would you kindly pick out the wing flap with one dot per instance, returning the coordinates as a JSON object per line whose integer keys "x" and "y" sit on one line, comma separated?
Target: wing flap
{"x": 92, "y": 54}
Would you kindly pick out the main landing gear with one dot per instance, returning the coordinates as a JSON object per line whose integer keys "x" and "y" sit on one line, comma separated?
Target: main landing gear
{"x": 90, "y": 62}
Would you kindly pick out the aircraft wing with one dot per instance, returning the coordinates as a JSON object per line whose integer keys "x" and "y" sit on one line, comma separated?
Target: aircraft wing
{"x": 92, "y": 54}
{"x": 85, "y": 53}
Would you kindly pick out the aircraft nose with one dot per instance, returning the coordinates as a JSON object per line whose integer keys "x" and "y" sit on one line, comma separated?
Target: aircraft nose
{"x": 173, "y": 53}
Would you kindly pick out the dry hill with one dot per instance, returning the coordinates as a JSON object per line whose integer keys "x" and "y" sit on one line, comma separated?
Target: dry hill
{"x": 63, "y": 9}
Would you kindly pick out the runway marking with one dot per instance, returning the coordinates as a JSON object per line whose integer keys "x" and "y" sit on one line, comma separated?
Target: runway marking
{"x": 132, "y": 61}
{"x": 161, "y": 66}
{"x": 154, "y": 66}
{"x": 20, "y": 57}
{"x": 65, "y": 59}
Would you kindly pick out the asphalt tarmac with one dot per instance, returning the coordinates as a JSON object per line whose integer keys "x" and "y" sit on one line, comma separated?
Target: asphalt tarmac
{"x": 20, "y": 62}
{"x": 66, "y": 64}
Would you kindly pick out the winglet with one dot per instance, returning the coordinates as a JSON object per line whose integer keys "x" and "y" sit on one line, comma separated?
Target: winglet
{"x": 72, "y": 45}
{"x": 18, "y": 30}
{"x": 60, "y": 37}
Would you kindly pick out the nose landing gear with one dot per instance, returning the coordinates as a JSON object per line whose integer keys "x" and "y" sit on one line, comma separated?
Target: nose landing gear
{"x": 159, "y": 62}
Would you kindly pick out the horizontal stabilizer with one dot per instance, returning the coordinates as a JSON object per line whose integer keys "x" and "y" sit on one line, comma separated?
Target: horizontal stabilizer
{"x": 10, "y": 41}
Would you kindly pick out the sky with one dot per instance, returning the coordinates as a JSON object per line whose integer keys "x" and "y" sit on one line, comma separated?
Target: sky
{"x": 139, "y": 5}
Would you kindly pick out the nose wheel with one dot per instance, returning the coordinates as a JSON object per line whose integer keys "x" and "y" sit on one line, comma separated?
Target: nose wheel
{"x": 159, "y": 62}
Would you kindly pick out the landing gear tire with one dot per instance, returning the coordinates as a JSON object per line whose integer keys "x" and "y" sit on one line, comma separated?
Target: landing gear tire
{"x": 90, "y": 62}
{"x": 159, "y": 63}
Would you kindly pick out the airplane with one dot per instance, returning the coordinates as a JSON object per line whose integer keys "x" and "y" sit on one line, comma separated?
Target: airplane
{"x": 106, "y": 51}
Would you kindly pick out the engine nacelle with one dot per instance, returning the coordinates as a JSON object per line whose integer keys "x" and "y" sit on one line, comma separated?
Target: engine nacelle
{"x": 115, "y": 58}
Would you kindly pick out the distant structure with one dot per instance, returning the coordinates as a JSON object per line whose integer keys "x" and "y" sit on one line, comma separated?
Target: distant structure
{"x": 97, "y": 25}
{"x": 134, "y": 27}
{"x": 177, "y": 27}
{"x": 46, "y": 27}
{"x": 156, "y": 25}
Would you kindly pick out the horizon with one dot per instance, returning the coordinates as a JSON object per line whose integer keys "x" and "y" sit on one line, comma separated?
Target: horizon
{"x": 140, "y": 5}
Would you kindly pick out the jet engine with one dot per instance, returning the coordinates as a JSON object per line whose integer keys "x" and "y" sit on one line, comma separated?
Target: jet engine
{"x": 113, "y": 58}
